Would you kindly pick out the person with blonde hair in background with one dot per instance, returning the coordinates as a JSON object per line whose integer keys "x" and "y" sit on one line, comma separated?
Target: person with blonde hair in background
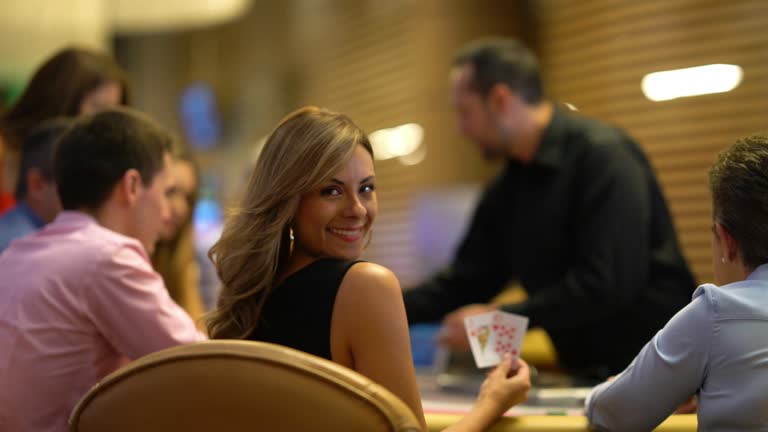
{"x": 289, "y": 263}
{"x": 174, "y": 257}
{"x": 72, "y": 82}
{"x": 717, "y": 346}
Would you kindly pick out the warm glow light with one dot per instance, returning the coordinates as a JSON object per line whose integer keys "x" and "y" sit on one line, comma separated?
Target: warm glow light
{"x": 398, "y": 142}
{"x": 693, "y": 81}
{"x": 570, "y": 106}
{"x": 138, "y": 16}
{"x": 414, "y": 158}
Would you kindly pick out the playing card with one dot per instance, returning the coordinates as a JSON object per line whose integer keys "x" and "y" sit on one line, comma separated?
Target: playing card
{"x": 493, "y": 334}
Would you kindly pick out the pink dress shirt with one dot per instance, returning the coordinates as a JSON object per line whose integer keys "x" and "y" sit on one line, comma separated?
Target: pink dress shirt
{"x": 76, "y": 301}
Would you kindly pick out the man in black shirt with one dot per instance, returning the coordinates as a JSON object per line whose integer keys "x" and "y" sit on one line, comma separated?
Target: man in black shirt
{"x": 576, "y": 216}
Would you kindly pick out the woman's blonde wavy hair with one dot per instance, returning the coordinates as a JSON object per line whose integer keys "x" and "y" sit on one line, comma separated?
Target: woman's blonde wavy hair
{"x": 305, "y": 149}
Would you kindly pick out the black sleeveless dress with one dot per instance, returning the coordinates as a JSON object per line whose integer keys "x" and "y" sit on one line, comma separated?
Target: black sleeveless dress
{"x": 298, "y": 312}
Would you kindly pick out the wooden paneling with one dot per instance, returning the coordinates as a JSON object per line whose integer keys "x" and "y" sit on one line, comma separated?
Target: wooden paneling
{"x": 594, "y": 54}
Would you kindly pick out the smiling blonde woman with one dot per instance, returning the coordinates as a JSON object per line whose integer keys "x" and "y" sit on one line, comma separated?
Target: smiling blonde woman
{"x": 289, "y": 263}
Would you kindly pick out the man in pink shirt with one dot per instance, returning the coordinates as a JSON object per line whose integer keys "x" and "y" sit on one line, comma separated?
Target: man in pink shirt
{"x": 80, "y": 298}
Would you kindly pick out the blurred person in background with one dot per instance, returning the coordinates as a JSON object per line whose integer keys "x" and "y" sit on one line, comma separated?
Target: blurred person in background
{"x": 79, "y": 297}
{"x": 716, "y": 347}
{"x": 37, "y": 202}
{"x": 72, "y": 82}
{"x": 289, "y": 263}
{"x": 174, "y": 257}
{"x": 576, "y": 216}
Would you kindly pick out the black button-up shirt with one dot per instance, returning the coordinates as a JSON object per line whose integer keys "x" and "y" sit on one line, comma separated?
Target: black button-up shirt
{"x": 585, "y": 229}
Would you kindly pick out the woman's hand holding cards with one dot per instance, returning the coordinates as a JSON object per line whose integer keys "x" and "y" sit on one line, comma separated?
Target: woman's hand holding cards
{"x": 507, "y": 385}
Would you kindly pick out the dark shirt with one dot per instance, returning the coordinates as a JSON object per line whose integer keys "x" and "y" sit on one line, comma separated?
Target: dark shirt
{"x": 585, "y": 229}
{"x": 298, "y": 312}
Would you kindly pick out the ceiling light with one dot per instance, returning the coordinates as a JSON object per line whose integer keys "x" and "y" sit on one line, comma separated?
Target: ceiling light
{"x": 693, "y": 81}
{"x": 398, "y": 141}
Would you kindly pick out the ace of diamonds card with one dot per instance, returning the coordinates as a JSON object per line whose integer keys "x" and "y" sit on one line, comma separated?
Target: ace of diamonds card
{"x": 493, "y": 334}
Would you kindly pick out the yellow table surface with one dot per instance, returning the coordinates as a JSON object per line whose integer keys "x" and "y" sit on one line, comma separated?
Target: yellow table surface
{"x": 536, "y": 423}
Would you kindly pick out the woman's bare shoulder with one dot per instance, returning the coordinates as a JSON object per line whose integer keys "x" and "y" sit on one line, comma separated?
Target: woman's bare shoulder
{"x": 366, "y": 276}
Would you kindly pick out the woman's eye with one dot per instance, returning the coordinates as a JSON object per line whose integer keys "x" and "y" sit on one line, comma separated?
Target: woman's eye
{"x": 331, "y": 191}
{"x": 367, "y": 188}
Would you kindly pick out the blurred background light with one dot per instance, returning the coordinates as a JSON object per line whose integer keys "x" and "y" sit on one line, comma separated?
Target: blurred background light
{"x": 199, "y": 116}
{"x": 31, "y": 30}
{"x": 45, "y": 26}
{"x": 414, "y": 157}
{"x": 399, "y": 141}
{"x": 693, "y": 81}
{"x": 131, "y": 16}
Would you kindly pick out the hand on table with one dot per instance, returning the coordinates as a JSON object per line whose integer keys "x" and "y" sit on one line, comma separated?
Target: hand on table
{"x": 453, "y": 335}
{"x": 688, "y": 407}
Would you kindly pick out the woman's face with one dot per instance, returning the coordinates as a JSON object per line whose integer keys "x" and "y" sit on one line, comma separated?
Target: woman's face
{"x": 180, "y": 199}
{"x": 335, "y": 219}
{"x": 102, "y": 97}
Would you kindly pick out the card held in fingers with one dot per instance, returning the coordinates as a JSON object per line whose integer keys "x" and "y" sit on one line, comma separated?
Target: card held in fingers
{"x": 493, "y": 334}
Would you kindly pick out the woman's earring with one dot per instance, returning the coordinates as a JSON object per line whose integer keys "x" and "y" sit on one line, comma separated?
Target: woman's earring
{"x": 290, "y": 236}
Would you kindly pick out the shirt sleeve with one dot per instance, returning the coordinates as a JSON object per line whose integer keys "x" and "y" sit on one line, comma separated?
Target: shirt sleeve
{"x": 668, "y": 370}
{"x": 477, "y": 273}
{"x": 130, "y": 306}
{"x": 610, "y": 255}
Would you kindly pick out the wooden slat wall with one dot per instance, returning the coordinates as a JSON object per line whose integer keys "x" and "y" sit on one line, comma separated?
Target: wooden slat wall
{"x": 595, "y": 52}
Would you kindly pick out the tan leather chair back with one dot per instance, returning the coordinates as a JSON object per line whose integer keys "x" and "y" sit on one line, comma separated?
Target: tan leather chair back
{"x": 238, "y": 386}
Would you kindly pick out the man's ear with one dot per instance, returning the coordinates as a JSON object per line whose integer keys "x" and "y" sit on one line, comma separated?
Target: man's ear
{"x": 130, "y": 186}
{"x": 500, "y": 97}
{"x": 35, "y": 180}
{"x": 727, "y": 242}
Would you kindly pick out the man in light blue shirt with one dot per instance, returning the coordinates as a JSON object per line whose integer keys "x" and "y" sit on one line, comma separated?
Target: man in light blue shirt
{"x": 717, "y": 346}
{"x": 17, "y": 222}
{"x": 38, "y": 201}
